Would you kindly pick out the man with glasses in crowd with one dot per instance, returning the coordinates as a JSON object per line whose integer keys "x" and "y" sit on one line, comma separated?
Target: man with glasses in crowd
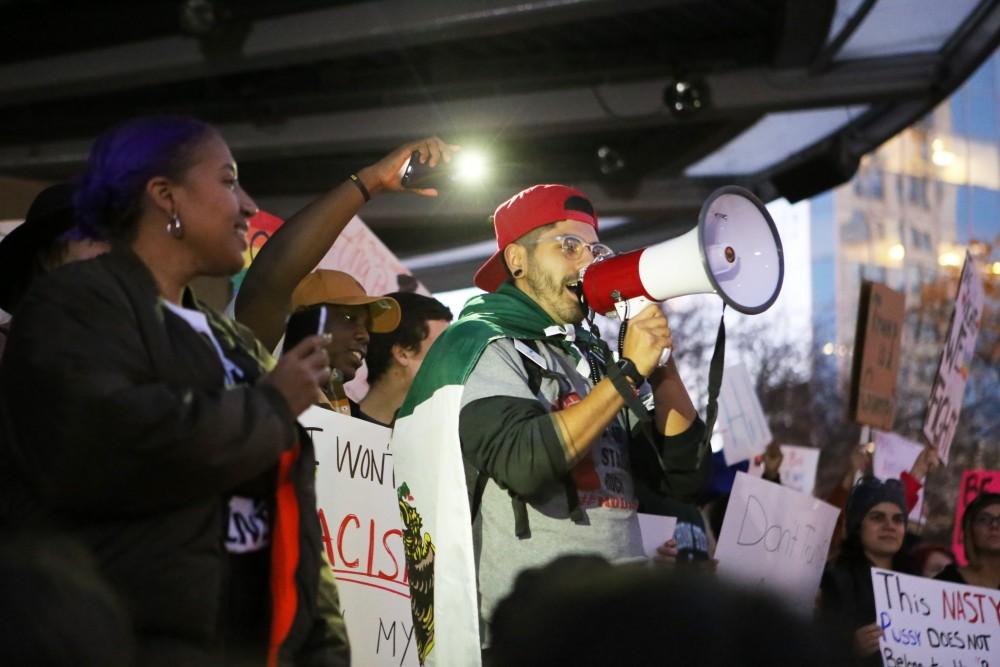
{"x": 555, "y": 463}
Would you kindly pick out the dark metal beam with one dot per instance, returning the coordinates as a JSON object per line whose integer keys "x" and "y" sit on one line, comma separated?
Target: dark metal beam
{"x": 636, "y": 104}
{"x": 351, "y": 29}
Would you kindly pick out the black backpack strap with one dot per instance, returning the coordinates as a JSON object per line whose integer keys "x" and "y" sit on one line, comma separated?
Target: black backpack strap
{"x": 477, "y": 493}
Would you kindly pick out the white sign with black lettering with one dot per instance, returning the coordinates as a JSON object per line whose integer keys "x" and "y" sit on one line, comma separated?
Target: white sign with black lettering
{"x": 775, "y": 538}
{"x": 362, "y": 536}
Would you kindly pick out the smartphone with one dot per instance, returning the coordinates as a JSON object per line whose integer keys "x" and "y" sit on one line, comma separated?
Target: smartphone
{"x": 304, "y": 323}
{"x": 419, "y": 175}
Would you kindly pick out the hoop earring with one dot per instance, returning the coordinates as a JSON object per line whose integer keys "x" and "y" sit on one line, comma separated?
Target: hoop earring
{"x": 518, "y": 273}
{"x": 174, "y": 227}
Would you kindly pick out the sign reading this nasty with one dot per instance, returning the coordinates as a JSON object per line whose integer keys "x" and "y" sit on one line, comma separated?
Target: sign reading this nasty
{"x": 935, "y": 623}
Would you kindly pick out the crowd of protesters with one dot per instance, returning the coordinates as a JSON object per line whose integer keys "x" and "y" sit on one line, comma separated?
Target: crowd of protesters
{"x": 157, "y": 495}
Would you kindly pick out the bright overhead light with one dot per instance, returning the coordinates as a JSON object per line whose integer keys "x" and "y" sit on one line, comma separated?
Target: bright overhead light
{"x": 828, "y": 349}
{"x": 897, "y": 252}
{"x": 471, "y": 166}
{"x": 995, "y": 268}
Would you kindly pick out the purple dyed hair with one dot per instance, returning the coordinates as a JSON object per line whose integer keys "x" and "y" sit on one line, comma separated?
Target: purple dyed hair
{"x": 108, "y": 201}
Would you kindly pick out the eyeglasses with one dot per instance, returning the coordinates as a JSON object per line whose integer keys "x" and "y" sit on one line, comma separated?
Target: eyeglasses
{"x": 573, "y": 247}
{"x": 897, "y": 519}
{"x": 988, "y": 521}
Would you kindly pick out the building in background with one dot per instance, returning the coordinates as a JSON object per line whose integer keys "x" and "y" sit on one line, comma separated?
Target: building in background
{"x": 906, "y": 219}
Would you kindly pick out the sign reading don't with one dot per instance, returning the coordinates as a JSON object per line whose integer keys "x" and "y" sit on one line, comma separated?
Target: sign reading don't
{"x": 775, "y": 538}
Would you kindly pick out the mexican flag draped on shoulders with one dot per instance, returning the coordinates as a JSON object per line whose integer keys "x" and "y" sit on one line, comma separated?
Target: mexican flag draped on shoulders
{"x": 430, "y": 475}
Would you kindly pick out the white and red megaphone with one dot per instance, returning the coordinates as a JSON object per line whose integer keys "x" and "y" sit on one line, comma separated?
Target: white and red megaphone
{"x": 734, "y": 252}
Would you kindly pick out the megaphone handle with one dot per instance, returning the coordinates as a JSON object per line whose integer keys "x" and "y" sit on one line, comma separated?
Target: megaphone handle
{"x": 629, "y": 308}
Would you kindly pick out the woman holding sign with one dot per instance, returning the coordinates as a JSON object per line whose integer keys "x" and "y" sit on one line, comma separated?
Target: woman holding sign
{"x": 875, "y": 524}
{"x": 159, "y": 433}
{"x": 981, "y": 531}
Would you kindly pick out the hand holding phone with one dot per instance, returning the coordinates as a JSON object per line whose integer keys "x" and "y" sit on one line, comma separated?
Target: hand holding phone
{"x": 304, "y": 323}
{"x": 300, "y": 373}
{"x": 419, "y": 174}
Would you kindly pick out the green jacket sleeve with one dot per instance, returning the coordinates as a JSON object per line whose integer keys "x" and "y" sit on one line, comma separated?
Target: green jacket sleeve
{"x": 686, "y": 467}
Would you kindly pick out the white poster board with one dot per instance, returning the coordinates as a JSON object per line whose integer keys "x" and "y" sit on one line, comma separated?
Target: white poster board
{"x": 928, "y": 622}
{"x": 777, "y": 539}
{"x": 744, "y": 429}
{"x": 948, "y": 391}
{"x": 655, "y": 530}
{"x": 894, "y": 454}
{"x": 363, "y": 537}
{"x": 798, "y": 468}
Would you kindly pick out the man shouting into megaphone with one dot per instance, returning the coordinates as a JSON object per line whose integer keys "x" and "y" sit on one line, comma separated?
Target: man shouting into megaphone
{"x": 562, "y": 443}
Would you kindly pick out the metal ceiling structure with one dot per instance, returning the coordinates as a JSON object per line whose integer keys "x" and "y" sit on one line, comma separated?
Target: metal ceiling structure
{"x": 793, "y": 92}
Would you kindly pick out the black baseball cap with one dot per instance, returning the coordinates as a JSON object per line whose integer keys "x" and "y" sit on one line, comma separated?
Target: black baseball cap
{"x": 49, "y": 217}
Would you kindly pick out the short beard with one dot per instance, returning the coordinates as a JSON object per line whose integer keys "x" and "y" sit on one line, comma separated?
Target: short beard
{"x": 544, "y": 286}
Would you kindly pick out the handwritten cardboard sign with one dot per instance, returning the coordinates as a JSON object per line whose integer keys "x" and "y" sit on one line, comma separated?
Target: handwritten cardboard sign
{"x": 362, "y": 536}
{"x": 928, "y": 622}
{"x": 893, "y": 455}
{"x": 744, "y": 429}
{"x": 797, "y": 470}
{"x": 947, "y": 393}
{"x": 876, "y": 355}
{"x": 776, "y": 538}
{"x": 974, "y": 482}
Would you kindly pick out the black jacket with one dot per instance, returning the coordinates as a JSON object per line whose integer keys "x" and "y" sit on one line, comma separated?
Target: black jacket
{"x": 117, "y": 419}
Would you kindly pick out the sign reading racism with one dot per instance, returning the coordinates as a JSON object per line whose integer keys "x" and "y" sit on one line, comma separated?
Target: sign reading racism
{"x": 974, "y": 482}
{"x": 363, "y": 536}
{"x": 876, "y": 355}
{"x": 741, "y": 420}
{"x": 928, "y": 622}
{"x": 948, "y": 390}
{"x": 776, "y": 538}
{"x": 894, "y": 454}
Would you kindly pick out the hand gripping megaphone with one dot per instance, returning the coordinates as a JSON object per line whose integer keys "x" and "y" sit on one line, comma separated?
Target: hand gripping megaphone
{"x": 734, "y": 252}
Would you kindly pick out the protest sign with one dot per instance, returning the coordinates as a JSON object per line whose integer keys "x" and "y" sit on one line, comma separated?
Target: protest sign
{"x": 362, "y": 536}
{"x": 928, "y": 622}
{"x": 974, "y": 482}
{"x": 894, "y": 454}
{"x": 876, "y": 355}
{"x": 775, "y": 538}
{"x": 655, "y": 530}
{"x": 358, "y": 252}
{"x": 741, "y": 420}
{"x": 797, "y": 470}
{"x": 948, "y": 391}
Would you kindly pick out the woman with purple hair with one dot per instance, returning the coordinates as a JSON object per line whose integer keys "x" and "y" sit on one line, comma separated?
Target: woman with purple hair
{"x": 161, "y": 434}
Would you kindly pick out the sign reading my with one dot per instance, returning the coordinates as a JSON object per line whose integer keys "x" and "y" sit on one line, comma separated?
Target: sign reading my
{"x": 876, "y": 355}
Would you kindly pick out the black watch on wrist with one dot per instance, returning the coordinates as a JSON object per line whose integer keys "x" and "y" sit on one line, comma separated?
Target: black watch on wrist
{"x": 628, "y": 369}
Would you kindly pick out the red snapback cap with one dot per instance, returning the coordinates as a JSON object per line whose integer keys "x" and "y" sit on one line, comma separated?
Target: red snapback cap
{"x": 530, "y": 209}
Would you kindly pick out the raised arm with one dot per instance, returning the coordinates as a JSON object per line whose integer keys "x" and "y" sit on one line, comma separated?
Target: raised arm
{"x": 264, "y": 300}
